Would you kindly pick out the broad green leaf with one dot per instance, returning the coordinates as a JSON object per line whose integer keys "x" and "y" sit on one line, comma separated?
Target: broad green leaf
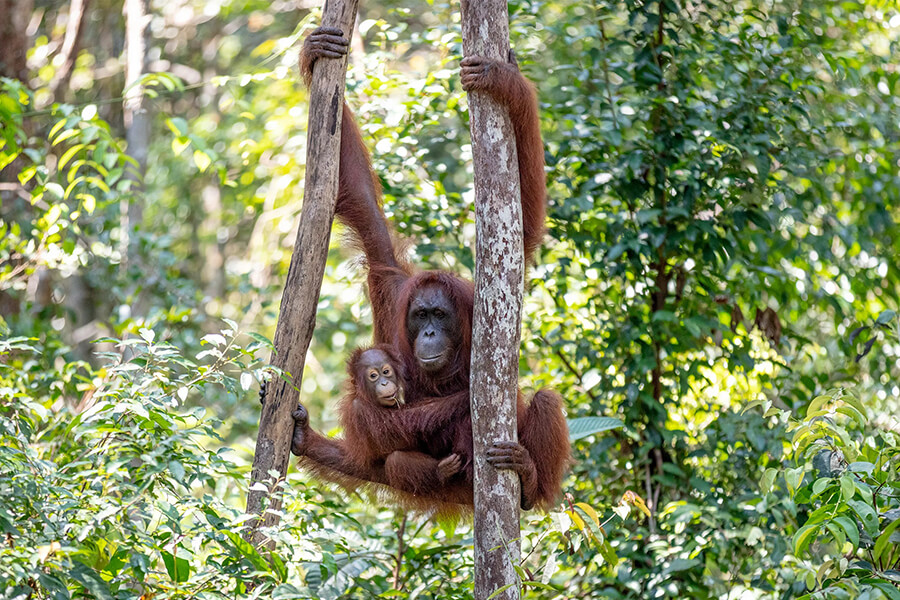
{"x": 608, "y": 553}
{"x": 768, "y": 480}
{"x": 248, "y": 551}
{"x": 850, "y": 529}
{"x": 589, "y": 511}
{"x": 821, "y": 485}
{"x": 91, "y": 580}
{"x": 792, "y": 478}
{"x": 681, "y": 564}
{"x": 817, "y": 403}
{"x": 803, "y": 537}
{"x": 884, "y": 539}
{"x": 179, "y": 569}
{"x": 837, "y": 533}
{"x": 584, "y": 426}
{"x": 854, "y": 414}
{"x": 848, "y": 487}
{"x": 885, "y": 317}
{"x": 866, "y": 514}
{"x": 549, "y": 568}
{"x": 202, "y": 160}
{"x": 851, "y": 400}
{"x": 860, "y": 467}
{"x": 889, "y": 590}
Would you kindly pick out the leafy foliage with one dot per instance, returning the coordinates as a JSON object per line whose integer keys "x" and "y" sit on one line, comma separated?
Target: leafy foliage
{"x": 845, "y": 485}
{"x": 723, "y": 202}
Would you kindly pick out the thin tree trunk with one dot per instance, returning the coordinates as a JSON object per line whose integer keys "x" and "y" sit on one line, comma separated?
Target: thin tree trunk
{"x": 304, "y": 279}
{"x": 213, "y": 269}
{"x": 499, "y": 277}
{"x": 137, "y": 120}
{"x": 71, "y": 45}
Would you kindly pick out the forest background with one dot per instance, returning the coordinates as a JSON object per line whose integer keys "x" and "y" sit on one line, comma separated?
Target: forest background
{"x": 720, "y": 274}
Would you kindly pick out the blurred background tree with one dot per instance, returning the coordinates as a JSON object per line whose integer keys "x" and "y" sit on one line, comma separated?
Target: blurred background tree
{"x": 723, "y": 185}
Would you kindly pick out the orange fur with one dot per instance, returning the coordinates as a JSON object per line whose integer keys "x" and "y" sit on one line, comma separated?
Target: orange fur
{"x": 400, "y": 447}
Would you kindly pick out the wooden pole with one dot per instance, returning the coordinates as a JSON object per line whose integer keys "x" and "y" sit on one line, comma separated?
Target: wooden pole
{"x": 304, "y": 280}
{"x": 499, "y": 276}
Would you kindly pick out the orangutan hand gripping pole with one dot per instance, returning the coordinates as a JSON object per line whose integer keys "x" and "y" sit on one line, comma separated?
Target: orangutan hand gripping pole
{"x": 428, "y": 315}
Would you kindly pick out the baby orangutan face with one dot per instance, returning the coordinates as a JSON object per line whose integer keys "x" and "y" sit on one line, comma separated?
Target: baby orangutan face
{"x": 381, "y": 378}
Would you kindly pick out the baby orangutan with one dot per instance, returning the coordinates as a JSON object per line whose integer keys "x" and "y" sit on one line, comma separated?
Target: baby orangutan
{"x": 380, "y": 377}
{"x": 381, "y": 434}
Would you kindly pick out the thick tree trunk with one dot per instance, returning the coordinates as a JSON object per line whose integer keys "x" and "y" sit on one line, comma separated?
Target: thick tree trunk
{"x": 499, "y": 276}
{"x": 304, "y": 280}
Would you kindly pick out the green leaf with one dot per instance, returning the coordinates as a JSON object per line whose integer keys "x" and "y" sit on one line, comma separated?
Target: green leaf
{"x": 549, "y": 568}
{"x": 851, "y": 400}
{"x": 817, "y": 403}
{"x": 202, "y": 160}
{"x": 821, "y": 485}
{"x": 681, "y": 564}
{"x": 55, "y": 129}
{"x": 804, "y": 536}
{"x": 179, "y": 569}
{"x": 848, "y": 487}
{"x": 261, "y": 339}
{"x": 889, "y": 590}
{"x": 884, "y": 539}
{"x": 584, "y": 426}
{"x": 861, "y": 467}
{"x": 615, "y": 252}
{"x": 247, "y": 549}
{"x": 178, "y": 126}
{"x": 849, "y": 411}
{"x": 837, "y": 533}
{"x": 885, "y": 317}
{"x": 793, "y": 477}
{"x": 866, "y": 514}
{"x": 850, "y": 529}
{"x": 91, "y": 581}
{"x": 69, "y": 154}
{"x": 68, "y": 133}
{"x": 609, "y": 554}
{"x": 663, "y": 315}
{"x": 768, "y": 480}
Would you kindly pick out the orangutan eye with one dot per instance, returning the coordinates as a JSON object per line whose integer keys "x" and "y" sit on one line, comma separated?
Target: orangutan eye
{"x": 373, "y": 375}
{"x": 386, "y": 372}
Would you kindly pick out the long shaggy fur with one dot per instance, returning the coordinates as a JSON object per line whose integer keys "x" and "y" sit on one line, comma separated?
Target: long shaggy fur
{"x": 400, "y": 446}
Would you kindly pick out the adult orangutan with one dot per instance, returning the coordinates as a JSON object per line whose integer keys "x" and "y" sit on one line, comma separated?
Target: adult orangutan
{"x": 428, "y": 315}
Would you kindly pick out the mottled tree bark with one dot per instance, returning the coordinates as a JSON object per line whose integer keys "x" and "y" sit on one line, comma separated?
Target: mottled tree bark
{"x": 304, "y": 280}
{"x": 499, "y": 276}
